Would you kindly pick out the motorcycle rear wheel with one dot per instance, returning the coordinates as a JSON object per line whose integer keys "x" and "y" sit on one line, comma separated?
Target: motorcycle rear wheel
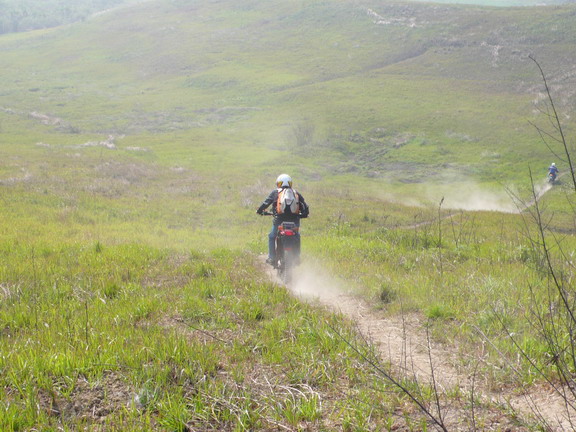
{"x": 285, "y": 268}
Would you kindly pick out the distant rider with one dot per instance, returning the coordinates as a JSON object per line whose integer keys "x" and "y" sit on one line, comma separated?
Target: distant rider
{"x": 283, "y": 189}
{"x": 553, "y": 171}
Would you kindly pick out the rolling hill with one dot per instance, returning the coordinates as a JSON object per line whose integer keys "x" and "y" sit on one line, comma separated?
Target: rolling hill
{"x": 136, "y": 145}
{"x": 385, "y": 90}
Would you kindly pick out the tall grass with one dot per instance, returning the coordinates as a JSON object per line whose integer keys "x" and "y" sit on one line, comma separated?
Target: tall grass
{"x": 131, "y": 297}
{"x": 465, "y": 285}
{"x": 128, "y": 335}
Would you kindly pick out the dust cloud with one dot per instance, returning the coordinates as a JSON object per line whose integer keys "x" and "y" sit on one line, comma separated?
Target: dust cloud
{"x": 462, "y": 196}
{"x": 311, "y": 283}
{"x": 472, "y": 197}
{"x": 541, "y": 188}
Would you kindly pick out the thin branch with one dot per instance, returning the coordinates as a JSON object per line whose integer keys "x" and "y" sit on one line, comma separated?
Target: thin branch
{"x": 542, "y": 132}
{"x": 546, "y": 251}
{"x": 558, "y": 125}
{"x": 378, "y": 368}
{"x": 525, "y": 355}
{"x": 433, "y": 376}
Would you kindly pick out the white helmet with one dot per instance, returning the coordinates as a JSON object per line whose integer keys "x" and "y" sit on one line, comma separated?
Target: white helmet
{"x": 553, "y": 164}
{"x": 284, "y": 180}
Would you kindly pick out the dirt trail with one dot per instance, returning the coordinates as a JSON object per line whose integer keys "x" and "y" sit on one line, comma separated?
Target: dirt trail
{"x": 515, "y": 205}
{"x": 403, "y": 342}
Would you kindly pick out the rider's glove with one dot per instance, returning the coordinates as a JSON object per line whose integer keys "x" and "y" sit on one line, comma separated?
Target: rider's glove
{"x": 260, "y": 210}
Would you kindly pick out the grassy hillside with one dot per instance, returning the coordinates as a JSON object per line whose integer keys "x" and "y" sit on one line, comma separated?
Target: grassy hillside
{"x": 438, "y": 91}
{"x": 136, "y": 146}
{"x": 507, "y": 3}
{"x": 26, "y": 15}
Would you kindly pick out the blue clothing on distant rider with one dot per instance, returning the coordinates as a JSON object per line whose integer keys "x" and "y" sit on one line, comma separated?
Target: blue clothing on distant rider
{"x": 552, "y": 173}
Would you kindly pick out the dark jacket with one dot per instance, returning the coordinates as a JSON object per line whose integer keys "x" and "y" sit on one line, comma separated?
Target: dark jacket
{"x": 273, "y": 200}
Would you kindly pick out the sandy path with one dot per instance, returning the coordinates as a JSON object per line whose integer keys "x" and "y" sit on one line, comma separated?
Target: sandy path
{"x": 403, "y": 342}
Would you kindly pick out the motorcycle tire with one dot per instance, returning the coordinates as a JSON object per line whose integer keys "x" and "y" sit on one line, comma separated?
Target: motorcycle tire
{"x": 287, "y": 268}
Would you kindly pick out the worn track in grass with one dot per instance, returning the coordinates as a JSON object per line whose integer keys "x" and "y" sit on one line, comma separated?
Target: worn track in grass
{"x": 403, "y": 343}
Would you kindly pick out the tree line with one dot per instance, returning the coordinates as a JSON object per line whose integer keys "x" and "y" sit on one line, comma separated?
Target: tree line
{"x": 26, "y": 15}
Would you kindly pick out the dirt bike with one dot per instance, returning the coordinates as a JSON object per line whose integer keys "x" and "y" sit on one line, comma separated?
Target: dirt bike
{"x": 552, "y": 178}
{"x": 287, "y": 249}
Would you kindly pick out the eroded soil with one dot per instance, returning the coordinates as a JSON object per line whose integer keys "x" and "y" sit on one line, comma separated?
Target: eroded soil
{"x": 403, "y": 342}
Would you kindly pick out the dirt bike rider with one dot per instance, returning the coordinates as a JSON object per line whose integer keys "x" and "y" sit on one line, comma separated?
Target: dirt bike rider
{"x": 553, "y": 171}
{"x": 283, "y": 184}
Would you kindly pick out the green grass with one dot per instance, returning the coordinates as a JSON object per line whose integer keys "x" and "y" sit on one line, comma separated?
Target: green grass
{"x": 131, "y": 297}
{"x": 173, "y": 339}
{"x": 482, "y": 275}
{"x": 397, "y": 108}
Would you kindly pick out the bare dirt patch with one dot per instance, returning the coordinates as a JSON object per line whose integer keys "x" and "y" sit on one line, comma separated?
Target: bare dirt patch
{"x": 92, "y": 401}
{"x": 25, "y": 177}
{"x": 186, "y": 329}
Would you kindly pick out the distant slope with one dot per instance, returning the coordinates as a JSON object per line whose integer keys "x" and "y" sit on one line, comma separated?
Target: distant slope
{"x": 26, "y": 15}
{"x": 412, "y": 91}
{"x": 505, "y": 3}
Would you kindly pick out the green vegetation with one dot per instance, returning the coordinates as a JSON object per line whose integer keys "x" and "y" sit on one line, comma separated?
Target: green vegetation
{"x": 26, "y": 15}
{"x": 136, "y": 146}
{"x": 445, "y": 94}
{"x": 504, "y": 3}
{"x": 131, "y": 337}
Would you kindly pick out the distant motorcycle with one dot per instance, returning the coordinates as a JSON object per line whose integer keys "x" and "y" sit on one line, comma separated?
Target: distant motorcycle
{"x": 552, "y": 178}
{"x": 287, "y": 249}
